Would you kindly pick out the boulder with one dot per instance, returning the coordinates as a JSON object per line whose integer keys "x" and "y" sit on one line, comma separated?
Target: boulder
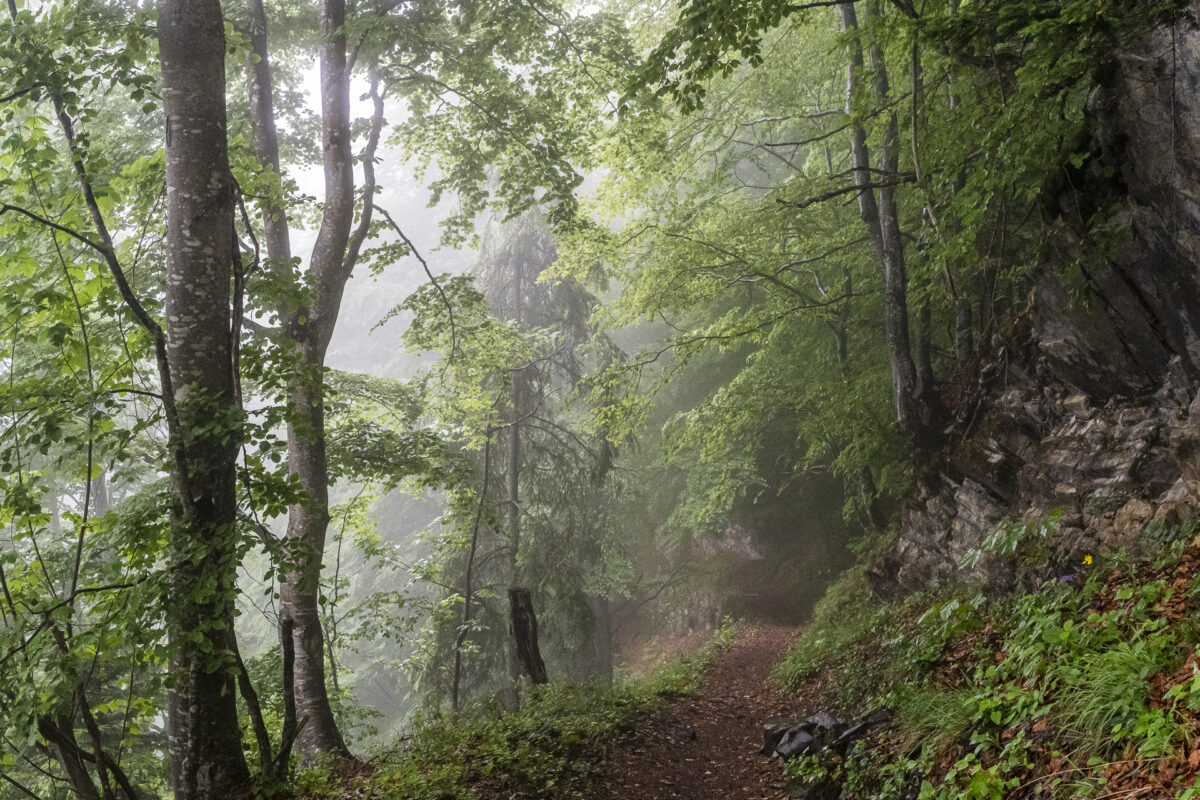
{"x": 796, "y": 743}
{"x": 773, "y": 733}
{"x": 788, "y": 738}
{"x": 823, "y": 720}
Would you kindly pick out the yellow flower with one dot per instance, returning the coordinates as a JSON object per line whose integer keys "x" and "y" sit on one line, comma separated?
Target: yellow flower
{"x": 1087, "y": 559}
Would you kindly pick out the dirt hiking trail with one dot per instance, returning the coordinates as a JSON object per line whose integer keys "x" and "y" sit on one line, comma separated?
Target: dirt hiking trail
{"x": 705, "y": 746}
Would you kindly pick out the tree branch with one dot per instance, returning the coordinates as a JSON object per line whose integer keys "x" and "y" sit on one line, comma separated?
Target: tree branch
{"x": 354, "y": 246}
{"x": 74, "y": 234}
{"x": 844, "y": 190}
{"x": 429, "y": 273}
{"x": 19, "y": 93}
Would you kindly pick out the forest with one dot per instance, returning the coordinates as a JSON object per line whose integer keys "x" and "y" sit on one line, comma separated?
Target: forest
{"x": 553, "y": 399}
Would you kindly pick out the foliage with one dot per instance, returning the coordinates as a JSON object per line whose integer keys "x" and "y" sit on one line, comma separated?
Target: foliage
{"x": 695, "y": 336}
{"x": 549, "y": 746}
{"x": 1052, "y": 687}
{"x": 846, "y": 623}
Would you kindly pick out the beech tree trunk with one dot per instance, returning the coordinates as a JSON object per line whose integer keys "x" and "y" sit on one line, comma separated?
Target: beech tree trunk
{"x": 260, "y": 87}
{"x": 513, "y": 475}
{"x": 310, "y": 329}
{"x": 300, "y": 592}
{"x": 205, "y": 746}
{"x": 882, "y": 219}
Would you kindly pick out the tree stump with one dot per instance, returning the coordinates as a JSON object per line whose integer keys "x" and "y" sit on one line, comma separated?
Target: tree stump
{"x": 524, "y": 632}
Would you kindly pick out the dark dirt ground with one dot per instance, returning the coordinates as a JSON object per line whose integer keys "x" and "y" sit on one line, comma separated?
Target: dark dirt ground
{"x": 705, "y": 746}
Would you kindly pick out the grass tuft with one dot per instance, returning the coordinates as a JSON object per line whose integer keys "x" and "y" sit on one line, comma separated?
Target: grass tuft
{"x": 546, "y": 749}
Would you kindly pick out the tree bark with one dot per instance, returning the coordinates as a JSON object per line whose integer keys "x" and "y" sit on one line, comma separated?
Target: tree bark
{"x": 307, "y": 460}
{"x": 525, "y": 635}
{"x": 513, "y": 469}
{"x": 207, "y": 762}
{"x": 59, "y": 733}
{"x": 310, "y": 330}
{"x": 600, "y": 651}
{"x": 882, "y": 219}
{"x": 469, "y": 579}
{"x": 300, "y": 591}
{"x": 923, "y": 350}
{"x": 265, "y": 136}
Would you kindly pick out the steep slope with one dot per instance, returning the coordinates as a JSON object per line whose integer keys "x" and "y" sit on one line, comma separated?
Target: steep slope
{"x": 1082, "y": 404}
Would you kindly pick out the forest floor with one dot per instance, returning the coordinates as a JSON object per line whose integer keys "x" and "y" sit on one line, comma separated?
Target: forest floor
{"x": 705, "y": 744}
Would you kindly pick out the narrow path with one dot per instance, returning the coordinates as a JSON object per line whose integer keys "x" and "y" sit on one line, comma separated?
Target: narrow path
{"x": 705, "y": 747}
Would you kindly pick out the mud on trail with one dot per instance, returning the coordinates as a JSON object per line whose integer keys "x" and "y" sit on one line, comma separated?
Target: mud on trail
{"x": 705, "y": 746}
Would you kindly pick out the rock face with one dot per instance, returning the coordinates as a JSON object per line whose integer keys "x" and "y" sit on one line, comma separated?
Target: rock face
{"x": 1085, "y": 407}
{"x": 1145, "y": 309}
{"x": 1107, "y": 470}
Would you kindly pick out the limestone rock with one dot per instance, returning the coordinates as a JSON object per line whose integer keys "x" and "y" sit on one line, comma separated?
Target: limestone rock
{"x": 1132, "y": 517}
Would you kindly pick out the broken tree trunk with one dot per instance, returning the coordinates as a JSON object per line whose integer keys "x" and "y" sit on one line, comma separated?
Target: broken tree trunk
{"x": 524, "y": 635}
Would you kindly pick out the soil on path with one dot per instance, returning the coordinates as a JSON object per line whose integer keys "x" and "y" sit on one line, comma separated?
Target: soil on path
{"x": 705, "y": 746}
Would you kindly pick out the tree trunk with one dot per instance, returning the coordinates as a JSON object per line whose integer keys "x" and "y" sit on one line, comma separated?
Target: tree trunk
{"x": 924, "y": 350}
{"x": 59, "y": 733}
{"x": 600, "y": 652}
{"x": 882, "y": 219}
{"x": 513, "y": 475}
{"x": 860, "y": 153}
{"x": 517, "y": 402}
{"x": 964, "y": 342}
{"x": 299, "y": 594}
{"x": 101, "y": 500}
{"x": 310, "y": 330}
{"x": 525, "y": 635}
{"x": 263, "y": 131}
{"x": 207, "y": 762}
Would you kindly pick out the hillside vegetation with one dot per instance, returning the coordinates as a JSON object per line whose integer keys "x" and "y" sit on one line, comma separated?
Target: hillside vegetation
{"x": 1085, "y": 685}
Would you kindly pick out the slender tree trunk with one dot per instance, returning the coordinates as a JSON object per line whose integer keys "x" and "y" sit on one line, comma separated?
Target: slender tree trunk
{"x": 207, "y": 762}
{"x": 310, "y": 330}
{"x": 964, "y": 341}
{"x": 860, "y": 153}
{"x": 300, "y": 593}
{"x": 600, "y": 651}
{"x": 101, "y": 501}
{"x": 262, "y": 127}
{"x": 469, "y": 578}
{"x": 59, "y": 733}
{"x": 882, "y": 219}
{"x": 517, "y": 411}
{"x": 924, "y": 350}
{"x": 307, "y": 459}
{"x": 513, "y": 477}
{"x": 93, "y": 730}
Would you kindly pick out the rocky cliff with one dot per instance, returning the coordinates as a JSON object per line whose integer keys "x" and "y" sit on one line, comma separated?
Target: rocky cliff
{"x": 1088, "y": 403}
